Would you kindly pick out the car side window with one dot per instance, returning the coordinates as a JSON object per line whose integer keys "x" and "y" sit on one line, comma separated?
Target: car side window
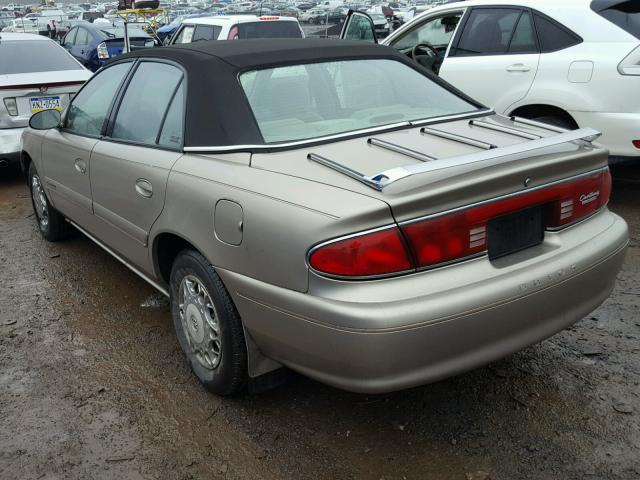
{"x": 82, "y": 37}
{"x": 145, "y": 102}
{"x": 70, "y": 38}
{"x": 206, "y": 32}
{"x": 185, "y": 35}
{"x": 488, "y": 31}
{"x": 91, "y": 106}
{"x": 524, "y": 38}
{"x": 553, "y": 36}
{"x": 435, "y": 31}
{"x": 173, "y": 127}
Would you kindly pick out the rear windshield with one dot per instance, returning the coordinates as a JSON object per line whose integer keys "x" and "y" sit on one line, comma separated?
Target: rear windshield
{"x": 313, "y": 100}
{"x": 31, "y": 56}
{"x": 269, "y": 29}
{"x": 625, "y": 15}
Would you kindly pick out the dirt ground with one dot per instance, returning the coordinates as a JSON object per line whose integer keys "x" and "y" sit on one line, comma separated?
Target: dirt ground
{"x": 93, "y": 385}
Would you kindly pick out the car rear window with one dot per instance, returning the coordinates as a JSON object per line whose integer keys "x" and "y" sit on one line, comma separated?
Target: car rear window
{"x": 625, "y": 15}
{"x": 32, "y": 56}
{"x": 313, "y": 100}
{"x": 269, "y": 29}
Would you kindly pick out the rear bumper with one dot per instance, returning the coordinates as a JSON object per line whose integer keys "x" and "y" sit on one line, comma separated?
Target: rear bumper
{"x": 618, "y": 130}
{"x": 10, "y": 143}
{"x": 446, "y": 322}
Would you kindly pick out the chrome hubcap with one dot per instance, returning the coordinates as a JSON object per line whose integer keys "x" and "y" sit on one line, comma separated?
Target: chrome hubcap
{"x": 199, "y": 321}
{"x": 39, "y": 201}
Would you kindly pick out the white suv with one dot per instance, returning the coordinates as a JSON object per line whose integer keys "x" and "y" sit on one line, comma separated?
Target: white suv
{"x": 573, "y": 63}
{"x": 233, "y": 27}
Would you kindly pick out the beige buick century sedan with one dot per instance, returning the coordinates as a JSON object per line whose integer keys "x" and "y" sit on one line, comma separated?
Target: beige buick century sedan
{"x": 330, "y": 207}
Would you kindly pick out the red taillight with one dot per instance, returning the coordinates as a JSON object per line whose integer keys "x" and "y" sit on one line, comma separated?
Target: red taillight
{"x": 377, "y": 253}
{"x": 636, "y": 143}
{"x": 578, "y": 198}
{"x": 460, "y": 234}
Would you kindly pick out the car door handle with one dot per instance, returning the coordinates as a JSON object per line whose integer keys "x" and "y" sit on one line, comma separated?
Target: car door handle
{"x": 518, "y": 67}
{"x": 144, "y": 188}
{"x": 81, "y": 165}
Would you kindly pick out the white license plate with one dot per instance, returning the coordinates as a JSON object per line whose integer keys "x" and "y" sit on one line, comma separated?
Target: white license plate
{"x": 44, "y": 103}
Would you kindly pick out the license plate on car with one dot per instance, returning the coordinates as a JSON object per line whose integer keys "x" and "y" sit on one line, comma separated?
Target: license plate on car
{"x": 514, "y": 232}
{"x": 44, "y": 103}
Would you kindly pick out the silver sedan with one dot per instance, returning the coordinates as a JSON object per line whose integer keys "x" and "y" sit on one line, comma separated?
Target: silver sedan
{"x": 329, "y": 207}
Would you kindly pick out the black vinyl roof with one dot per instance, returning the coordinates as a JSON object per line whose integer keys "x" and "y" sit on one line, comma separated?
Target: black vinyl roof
{"x": 217, "y": 111}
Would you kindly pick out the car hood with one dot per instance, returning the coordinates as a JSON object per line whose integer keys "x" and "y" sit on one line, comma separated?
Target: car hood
{"x": 458, "y": 173}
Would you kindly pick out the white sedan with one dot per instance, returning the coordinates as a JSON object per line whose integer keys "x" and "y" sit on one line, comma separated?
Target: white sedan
{"x": 35, "y": 74}
{"x": 574, "y": 63}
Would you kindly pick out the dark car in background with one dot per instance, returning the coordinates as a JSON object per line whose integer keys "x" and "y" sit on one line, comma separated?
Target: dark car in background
{"x": 93, "y": 45}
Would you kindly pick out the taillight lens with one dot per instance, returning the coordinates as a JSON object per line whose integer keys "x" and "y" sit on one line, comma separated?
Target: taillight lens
{"x": 377, "y": 253}
{"x": 579, "y": 198}
{"x": 457, "y": 235}
{"x": 11, "y": 106}
{"x": 631, "y": 63}
{"x": 103, "y": 52}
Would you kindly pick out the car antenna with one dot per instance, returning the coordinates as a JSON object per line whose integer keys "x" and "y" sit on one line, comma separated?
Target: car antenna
{"x": 260, "y": 14}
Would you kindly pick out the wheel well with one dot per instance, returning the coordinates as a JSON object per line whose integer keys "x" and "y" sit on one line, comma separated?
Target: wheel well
{"x": 536, "y": 111}
{"x": 168, "y": 246}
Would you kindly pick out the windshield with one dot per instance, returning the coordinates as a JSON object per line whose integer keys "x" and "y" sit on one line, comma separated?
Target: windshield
{"x": 34, "y": 56}
{"x": 269, "y": 29}
{"x": 307, "y": 101}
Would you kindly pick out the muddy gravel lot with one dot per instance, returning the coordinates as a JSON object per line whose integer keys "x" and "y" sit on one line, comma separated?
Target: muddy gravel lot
{"x": 93, "y": 385}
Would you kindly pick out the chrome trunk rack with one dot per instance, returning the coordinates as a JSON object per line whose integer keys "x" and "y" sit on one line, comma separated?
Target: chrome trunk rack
{"x": 490, "y": 152}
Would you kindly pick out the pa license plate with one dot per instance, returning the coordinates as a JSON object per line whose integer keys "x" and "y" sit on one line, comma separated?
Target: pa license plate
{"x": 44, "y": 103}
{"x": 515, "y": 231}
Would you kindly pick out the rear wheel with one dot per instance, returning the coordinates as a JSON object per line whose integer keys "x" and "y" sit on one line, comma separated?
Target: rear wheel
{"x": 207, "y": 324}
{"x": 51, "y": 223}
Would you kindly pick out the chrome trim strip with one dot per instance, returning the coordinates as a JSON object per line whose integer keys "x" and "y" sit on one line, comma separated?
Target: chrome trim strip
{"x": 423, "y": 157}
{"x": 349, "y": 172}
{"x": 500, "y": 128}
{"x": 504, "y": 197}
{"x": 457, "y": 138}
{"x": 398, "y": 173}
{"x": 534, "y": 123}
{"x": 297, "y": 143}
{"x": 338, "y": 136}
{"x": 450, "y": 118}
{"x": 120, "y": 259}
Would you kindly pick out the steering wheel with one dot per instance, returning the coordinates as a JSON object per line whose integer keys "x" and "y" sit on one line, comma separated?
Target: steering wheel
{"x": 429, "y": 60}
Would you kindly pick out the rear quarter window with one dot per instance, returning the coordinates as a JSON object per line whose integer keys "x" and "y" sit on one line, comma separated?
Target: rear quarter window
{"x": 625, "y": 15}
{"x": 553, "y": 36}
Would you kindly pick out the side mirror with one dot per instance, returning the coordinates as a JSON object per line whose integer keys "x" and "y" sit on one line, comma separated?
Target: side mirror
{"x": 45, "y": 120}
{"x": 358, "y": 26}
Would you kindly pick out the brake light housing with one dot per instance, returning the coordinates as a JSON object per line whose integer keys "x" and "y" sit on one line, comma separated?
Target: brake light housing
{"x": 455, "y": 235}
{"x": 378, "y": 252}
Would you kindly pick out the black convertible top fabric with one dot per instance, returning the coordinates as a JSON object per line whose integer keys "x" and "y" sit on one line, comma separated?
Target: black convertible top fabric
{"x": 217, "y": 111}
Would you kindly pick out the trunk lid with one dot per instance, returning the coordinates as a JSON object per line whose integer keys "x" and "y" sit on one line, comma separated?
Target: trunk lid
{"x": 468, "y": 162}
{"x": 35, "y": 91}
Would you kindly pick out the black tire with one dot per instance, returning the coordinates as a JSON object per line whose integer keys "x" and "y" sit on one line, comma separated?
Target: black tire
{"x": 55, "y": 227}
{"x": 557, "y": 121}
{"x": 230, "y": 374}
